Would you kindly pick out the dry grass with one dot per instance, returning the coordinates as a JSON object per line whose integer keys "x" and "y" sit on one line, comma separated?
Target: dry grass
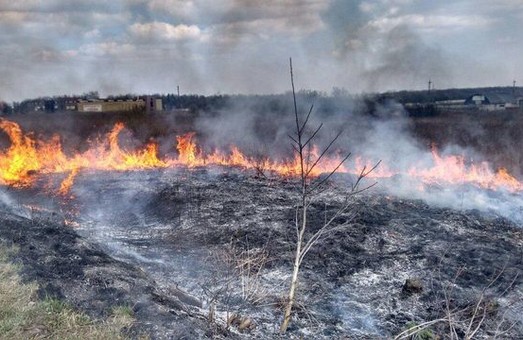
{"x": 23, "y": 316}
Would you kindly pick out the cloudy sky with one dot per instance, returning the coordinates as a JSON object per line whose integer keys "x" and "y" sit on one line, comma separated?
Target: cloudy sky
{"x": 52, "y": 47}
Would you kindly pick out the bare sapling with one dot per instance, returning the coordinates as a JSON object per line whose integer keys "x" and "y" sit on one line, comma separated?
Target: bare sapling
{"x": 310, "y": 190}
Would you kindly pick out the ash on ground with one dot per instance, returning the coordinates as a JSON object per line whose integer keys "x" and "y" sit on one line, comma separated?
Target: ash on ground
{"x": 203, "y": 253}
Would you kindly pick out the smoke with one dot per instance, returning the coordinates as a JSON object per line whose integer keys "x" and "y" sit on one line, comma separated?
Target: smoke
{"x": 254, "y": 123}
{"x": 377, "y": 50}
{"x": 405, "y": 59}
{"x": 386, "y": 133}
{"x": 6, "y": 201}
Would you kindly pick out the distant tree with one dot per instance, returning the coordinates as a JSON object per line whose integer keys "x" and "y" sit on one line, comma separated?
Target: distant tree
{"x": 91, "y": 95}
{"x": 5, "y": 108}
{"x": 338, "y": 92}
{"x": 49, "y": 105}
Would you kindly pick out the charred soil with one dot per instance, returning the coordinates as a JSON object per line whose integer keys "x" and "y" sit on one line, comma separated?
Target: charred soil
{"x": 202, "y": 253}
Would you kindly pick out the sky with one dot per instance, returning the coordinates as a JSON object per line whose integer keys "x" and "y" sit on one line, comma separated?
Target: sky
{"x": 58, "y": 47}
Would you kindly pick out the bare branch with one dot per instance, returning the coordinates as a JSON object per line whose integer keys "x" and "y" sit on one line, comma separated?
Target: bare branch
{"x": 500, "y": 333}
{"x": 295, "y": 148}
{"x": 313, "y": 135}
{"x": 358, "y": 191}
{"x": 306, "y": 119}
{"x": 480, "y": 323}
{"x": 320, "y": 157}
{"x": 330, "y": 174}
{"x": 416, "y": 329}
{"x": 294, "y": 101}
{"x": 510, "y": 285}
{"x": 364, "y": 174}
{"x": 293, "y": 139}
{"x": 324, "y": 230}
{"x": 319, "y": 235}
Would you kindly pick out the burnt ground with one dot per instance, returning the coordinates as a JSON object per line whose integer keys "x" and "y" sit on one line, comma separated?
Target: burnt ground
{"x": 178, "y": 244}
{"x": 69, "y": 267}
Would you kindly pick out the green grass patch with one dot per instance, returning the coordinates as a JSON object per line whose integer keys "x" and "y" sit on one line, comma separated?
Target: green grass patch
{"x": 24, "y": 316}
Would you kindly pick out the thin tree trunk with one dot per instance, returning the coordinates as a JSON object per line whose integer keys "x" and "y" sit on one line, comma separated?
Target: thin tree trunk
{"x": 296, "y": 270}
{"x": 292, "y": 291}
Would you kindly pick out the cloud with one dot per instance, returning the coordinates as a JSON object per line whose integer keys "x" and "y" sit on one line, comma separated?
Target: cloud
{"x": 275, "y": 29}
{"x": 211, "y": 12}
{"x": 54, "y": 6}
{"x": 47, "y": 55}
{"x": 242, "y": 46}
{"x": 109, "y": 48}
{"x": 12, "y": 17}
{"x": 165, "y": 31}
{"x": 432, "y": 23}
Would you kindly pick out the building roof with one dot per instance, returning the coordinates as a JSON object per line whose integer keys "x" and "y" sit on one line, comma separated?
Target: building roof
{"x": 501, "y": 98}
{"x": 476, "y": 99}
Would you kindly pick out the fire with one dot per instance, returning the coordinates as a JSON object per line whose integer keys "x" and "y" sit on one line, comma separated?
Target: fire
{"x": 507, "y": 180}
{"x": 26, "y": 158}
{"x": 20, "y": 159}
{"x": 454, "y": 169}
{"x": 188, "y": 153}
{"x": 68, "y": 182}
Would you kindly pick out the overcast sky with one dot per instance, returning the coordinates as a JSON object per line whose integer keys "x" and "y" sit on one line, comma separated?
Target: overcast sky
{"x": 53, "y": 47}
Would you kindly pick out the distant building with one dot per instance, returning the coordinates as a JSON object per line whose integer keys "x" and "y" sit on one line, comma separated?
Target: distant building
{"x": 477, "y": 99}
{"x": 153, "y": 104}
{"x": 150, "y": 104}
{"x": 70, "y": 104}
{"x": 107, "y": 105}
{"x": 497, "y": 102}
{"x": 455, "y": 104}
{"x": 481, "y": 102}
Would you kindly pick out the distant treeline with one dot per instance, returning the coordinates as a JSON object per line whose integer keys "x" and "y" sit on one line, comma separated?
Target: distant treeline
{"x": 339, "y": 99}
{"x": 278, "y": 103}
{"x": 449, "y": 94}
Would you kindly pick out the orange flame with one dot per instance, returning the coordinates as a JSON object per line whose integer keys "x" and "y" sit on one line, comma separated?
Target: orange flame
{"x": 453, "y": 169}
{"x": 68, "y": 182}
{"x": 505, "y": 179}
{"x": 25, "y": 158}
{"x": 20, "y": 159}
{"x": 188, "y": 153}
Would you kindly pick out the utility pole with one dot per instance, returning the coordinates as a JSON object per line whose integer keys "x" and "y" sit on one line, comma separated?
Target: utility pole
{"x": 430, "y": 88}
{"x": 177, "y": 101}
{"x": 514, "y": 88}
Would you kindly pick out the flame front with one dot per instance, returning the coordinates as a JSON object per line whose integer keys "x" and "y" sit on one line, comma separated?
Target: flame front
{"x": 454, "y": 169}
{"x": 20, "y": 159}
{"x": 188, "y": 153}
{"x": 26, "y": 157}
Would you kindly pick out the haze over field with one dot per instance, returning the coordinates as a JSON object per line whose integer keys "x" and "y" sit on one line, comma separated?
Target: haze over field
{"x": 239, "y": 46}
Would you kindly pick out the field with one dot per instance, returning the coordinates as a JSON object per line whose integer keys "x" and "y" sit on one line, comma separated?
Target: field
{"x": 206, "y": 251}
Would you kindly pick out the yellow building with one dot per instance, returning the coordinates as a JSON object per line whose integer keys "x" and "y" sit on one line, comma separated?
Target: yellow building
{"x": 109, "y": 105}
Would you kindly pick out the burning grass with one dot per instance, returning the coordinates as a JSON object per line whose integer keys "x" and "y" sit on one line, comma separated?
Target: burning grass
{"x": 28, "y": 157}
{"x": 23, "y": 316}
